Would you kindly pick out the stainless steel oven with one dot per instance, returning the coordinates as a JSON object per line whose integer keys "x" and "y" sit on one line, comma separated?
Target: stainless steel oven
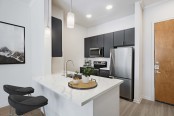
{"x": 96, "y": 52}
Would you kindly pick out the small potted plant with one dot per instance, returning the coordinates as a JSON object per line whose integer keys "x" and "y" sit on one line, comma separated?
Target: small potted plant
{"x": 75, "y": 80}
{"x": 86, "y": 74}
{"x": 77, "y": 74}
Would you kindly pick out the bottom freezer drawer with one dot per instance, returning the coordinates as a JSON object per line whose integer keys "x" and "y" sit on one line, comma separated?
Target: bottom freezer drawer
{"x": 126, "y": 89}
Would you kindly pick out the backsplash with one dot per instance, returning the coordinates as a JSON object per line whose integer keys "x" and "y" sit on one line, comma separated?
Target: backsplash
{"x": 99, "y": 59}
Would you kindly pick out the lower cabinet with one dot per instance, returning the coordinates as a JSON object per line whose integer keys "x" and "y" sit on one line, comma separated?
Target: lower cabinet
{"x": 104, "y": 73}
{"x": 96, "y": 71}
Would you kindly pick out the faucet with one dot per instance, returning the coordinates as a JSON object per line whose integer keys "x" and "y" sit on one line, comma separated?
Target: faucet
{"x": 65, "y": 66}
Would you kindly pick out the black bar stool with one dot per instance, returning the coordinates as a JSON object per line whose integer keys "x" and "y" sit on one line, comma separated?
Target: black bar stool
{"x": 25, "y": 104}
{"x": 15, "y": 90}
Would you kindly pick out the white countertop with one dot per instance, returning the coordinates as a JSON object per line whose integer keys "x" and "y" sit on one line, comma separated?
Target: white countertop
{"x": 105, "y": 68}
{"x": 59, "y": 84}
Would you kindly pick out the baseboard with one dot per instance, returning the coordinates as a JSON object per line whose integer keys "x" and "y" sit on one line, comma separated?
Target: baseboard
{"x": 148, "y": 98}
{"x": 138, "y": 101}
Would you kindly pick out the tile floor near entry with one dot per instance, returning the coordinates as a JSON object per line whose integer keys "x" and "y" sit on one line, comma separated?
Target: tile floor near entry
{"x": 146, "y": 108}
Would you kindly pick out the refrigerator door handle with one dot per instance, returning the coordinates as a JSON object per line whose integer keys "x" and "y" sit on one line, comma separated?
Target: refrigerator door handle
{"x": 110, "y": 71}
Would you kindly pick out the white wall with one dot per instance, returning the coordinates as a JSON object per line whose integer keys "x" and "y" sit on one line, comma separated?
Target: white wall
{"x": 138, "y": 53}
{"x": 47, "y": 37}
{"x": 115, "y": 25}
{"x": 72, "y": 44}
{"x": 18, "y": 74}
{"x": 154, "y": 13}
{"x": 31, "y": 16}
{"x": 58, "y": 62}
{"x": 37, "y": 37}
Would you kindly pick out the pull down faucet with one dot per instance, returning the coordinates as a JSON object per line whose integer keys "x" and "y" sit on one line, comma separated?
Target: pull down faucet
{"x": 65, "y": 69}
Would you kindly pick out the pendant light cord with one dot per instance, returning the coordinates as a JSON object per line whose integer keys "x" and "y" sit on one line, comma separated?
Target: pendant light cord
{"x": 71, "y": 6}
{"x": 48, "y": 14}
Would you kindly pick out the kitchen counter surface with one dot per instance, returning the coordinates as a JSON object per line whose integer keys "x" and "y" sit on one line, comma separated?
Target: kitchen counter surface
{"x": 59, "y": 85}
{"x": 104, "y": 69}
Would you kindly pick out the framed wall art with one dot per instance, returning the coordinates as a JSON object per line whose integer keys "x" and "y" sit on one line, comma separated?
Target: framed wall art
{"x": 12, "y": 43}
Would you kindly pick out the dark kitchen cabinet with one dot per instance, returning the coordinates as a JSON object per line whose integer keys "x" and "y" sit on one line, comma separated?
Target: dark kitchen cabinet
{"x": 119, "y": 38}
{"x": 129, "y": 37}
{"x": 94, "y": 42}
{"x": 87, "y": 43}
{"x": 100, "y": 41}
{"x": 104, "y": 73}
{"x": 108, "y": 44}
{"x": 56, "y": 37}
{"x": 110, "y": 40}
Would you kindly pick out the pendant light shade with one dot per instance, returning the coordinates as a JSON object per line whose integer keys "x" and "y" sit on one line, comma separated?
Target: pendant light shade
{"x": 70, "y": 18}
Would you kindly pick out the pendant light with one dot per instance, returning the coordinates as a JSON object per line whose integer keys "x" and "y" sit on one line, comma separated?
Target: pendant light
{"x": 47, "y": 29}
{"x": 70, "y": 18}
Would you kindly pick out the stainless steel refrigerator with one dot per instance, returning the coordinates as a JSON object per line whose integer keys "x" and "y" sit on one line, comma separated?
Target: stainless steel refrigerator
{"x": 122, "y": 67}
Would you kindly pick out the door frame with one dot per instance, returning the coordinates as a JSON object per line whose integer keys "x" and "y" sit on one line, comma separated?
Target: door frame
{"x": 153, "y": 56}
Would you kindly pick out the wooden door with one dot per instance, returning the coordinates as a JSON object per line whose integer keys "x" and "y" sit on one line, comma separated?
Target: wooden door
{"x": 164, "y": 59}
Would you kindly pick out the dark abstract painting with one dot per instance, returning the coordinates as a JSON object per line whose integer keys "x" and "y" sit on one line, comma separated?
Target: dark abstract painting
{"x": 12, "y": 44}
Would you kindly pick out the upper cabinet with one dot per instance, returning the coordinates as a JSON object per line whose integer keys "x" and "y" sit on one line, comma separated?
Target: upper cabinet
{"x": 94, "y": 42}
{"x": 108, "y": 44}
{"x": 100, "y": 41}
{"x": 119, "y": 38}
{"x": 124, "y": 38}
{"x": 56, "y": 37}
{"x": 87, "y": 47}
{"x": 110, "y": 40}
{"x": 129, "y": 37}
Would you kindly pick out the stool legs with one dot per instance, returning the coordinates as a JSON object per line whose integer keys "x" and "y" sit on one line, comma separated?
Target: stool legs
{"x": 10, "y": 113}
{"x": 44, "y": 111}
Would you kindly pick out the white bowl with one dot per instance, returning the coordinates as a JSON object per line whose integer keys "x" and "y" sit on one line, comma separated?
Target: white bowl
{"x": 75, "y": 81}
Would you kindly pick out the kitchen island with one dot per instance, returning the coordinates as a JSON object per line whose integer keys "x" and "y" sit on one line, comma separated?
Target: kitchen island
{"x": 64, "y": 101}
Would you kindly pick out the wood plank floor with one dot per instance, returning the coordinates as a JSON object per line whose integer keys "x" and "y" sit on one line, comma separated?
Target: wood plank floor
{"x": 5, "y": 112}
{"x": 146, "y": 108}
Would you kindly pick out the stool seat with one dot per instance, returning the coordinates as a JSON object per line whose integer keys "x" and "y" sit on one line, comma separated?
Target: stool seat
{"x": 24, "y": 104}
{"x": 14, "y": 90}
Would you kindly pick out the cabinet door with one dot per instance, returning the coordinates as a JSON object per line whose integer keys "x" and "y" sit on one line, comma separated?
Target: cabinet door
{"x": 129, "y": 37}
{"x": 104, "y": 73}
{"x": 56, "y": 37}
{"x": 118, "y": 38}
{"x": 94, "y": 42}
{"x": 100, "y": 41}
{"x": 81, "y": 69}
{"x": 108, "y": 44}
{"x": 87, "y": 46}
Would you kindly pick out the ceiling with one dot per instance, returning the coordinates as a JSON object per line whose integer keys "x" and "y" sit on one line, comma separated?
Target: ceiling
{"x": 96, "y": 8}
{"x": 148, "y": 2}
{"x": 26, "y": 1}
{"x": 100, "y": 15}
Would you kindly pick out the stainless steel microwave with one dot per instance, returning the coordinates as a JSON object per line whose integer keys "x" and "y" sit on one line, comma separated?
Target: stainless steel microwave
{"x": 96, "y": 52}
